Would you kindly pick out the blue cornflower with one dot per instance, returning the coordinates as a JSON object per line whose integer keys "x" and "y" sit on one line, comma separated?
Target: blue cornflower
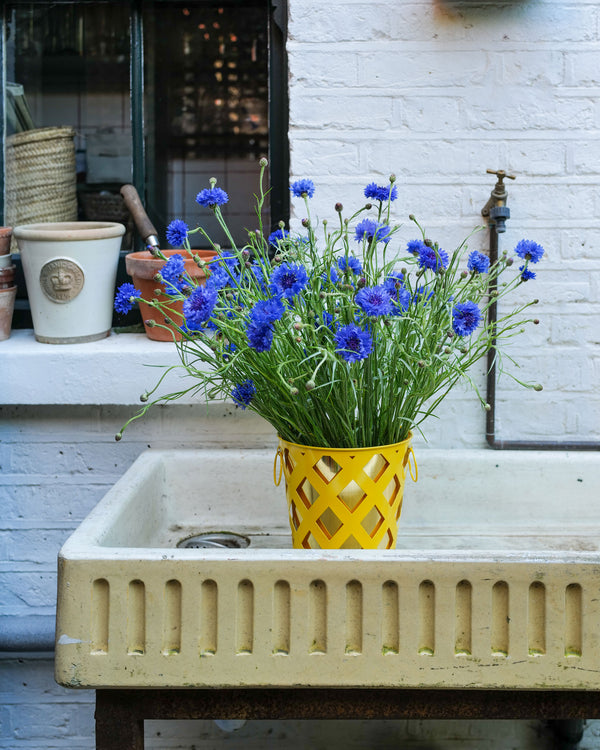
{"x": 351, "y": 263}
{"x": 333, "y": 276}
{"x": 199, "y": 306}
{"x": 125, "y": 298}
{"x": 393, "y": 282}
{"x": 288, "y": 280}
{"x": 478, "y": 262}
{"x": 267, "y": 311}
{"x": 466, "y": 316}
{"x": 172, "y": 273}
{"x": 302, "y": 188}
{"x": 379, "y": 193}
{"x": 212, "y": 197}
{"x": 432, "y": 258}
{"x": 258, "y": 275}
{"x": 399, "y": 294}
{"x": 370, "y": 230}
{"x": 260, "y": 337}
{"x": 352, "y": 343}
{"x": 414, "y": 246}
{"x": 277, "y": 236}
{"x": 260, "y": 326}
{"x": 229, "y": 259}
{"x": 526, "y": 274}
{"x": 243, "y": 393}
{"x": 218, "y": 277}
{"x": 177, "y": 232}
{"x": 374, "y": 300}
{"x": 529, "y": 250}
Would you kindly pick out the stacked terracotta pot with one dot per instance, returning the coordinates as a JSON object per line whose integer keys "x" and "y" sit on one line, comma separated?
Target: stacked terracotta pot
{"x": 8, "y": 289}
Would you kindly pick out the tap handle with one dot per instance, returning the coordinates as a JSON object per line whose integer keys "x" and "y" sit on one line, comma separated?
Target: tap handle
{"x": 501, "y": 174}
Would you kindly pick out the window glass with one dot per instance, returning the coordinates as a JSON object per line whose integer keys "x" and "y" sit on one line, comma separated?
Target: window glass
{"x": 68, "y": 125}
{"x": 206, "y": 72}
{"x": 68, "y": 110}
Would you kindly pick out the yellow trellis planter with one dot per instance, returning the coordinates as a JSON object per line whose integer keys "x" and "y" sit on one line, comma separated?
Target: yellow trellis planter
{"x": 344, "y": 498}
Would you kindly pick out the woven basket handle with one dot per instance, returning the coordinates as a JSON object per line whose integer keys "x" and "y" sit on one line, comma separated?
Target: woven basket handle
{"x": 144, "y": 226}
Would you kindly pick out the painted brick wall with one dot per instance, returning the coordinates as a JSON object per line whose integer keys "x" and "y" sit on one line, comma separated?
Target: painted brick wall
{"x": 436, "y": 91}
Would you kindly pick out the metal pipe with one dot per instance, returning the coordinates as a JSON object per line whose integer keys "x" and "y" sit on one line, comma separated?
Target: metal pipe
{"x": 30, "y": 633}
{"x": 496, "y": 212}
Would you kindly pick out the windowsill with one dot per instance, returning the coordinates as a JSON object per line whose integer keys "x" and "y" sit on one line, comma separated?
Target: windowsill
{"x": 114, "y": 370}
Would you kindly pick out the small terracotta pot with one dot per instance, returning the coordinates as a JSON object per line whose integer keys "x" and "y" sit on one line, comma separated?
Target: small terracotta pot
{"x": 143, "y": 267}
{"x": 7, "y": 276}
{"x": 7, "y": 306}
{"x": 5, "y": 237}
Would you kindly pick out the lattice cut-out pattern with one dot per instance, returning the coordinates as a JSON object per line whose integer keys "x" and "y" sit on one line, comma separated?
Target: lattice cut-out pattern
{"x": 345, "y": 498}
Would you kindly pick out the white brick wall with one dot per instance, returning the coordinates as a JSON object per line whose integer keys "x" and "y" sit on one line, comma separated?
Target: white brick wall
{"x": 436, "y": 92}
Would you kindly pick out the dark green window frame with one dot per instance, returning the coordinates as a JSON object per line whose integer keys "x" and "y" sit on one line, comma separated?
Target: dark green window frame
{"x": 278, "y": 96}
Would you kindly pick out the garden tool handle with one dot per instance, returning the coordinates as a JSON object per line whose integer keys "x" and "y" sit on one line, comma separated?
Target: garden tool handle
{"x": 142, "y": 221}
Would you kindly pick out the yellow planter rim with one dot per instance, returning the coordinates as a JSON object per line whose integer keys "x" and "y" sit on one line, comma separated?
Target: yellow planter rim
{"x": 370, "y": 448}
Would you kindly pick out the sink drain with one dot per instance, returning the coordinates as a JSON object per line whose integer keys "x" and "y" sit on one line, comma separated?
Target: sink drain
{"x": 215, "y": 539}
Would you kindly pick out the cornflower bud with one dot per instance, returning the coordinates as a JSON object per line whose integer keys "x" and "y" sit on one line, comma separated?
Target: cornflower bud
{"x": 429, "y": 243}
{"x": 298, "y": 326}
{"x": 245, "y": 254}
{"x": 368, "y": 206}
{"x": 339, "y": 208}
{"x": 392, "y": 177}
{"x": 263, "y": 162}
{"x": 294, "y": 391}
{"x": 310, "y": 385}
{"x": 305, "y": 223}
{"x": 150, "y": 323}
{"x": 361, "y": 282}
{"x": 538, "y": 387}
{"x": 510, "y": 261}
{"x": 536, "y": 322}
{"x": 463, "y": 275}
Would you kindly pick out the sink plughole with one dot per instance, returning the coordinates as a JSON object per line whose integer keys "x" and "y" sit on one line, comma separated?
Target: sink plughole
{"x": 494, "y": 582}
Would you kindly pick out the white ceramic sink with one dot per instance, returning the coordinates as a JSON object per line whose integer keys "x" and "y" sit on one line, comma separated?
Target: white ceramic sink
{"x": 495, "y": 582}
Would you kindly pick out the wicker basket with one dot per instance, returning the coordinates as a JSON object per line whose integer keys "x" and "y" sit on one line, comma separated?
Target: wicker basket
{"x": 107, "y": 206}
{"x": 41, "y": 176}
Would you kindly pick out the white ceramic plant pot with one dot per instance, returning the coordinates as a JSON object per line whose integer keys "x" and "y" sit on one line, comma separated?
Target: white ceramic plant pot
{"x": 70, "y": 270}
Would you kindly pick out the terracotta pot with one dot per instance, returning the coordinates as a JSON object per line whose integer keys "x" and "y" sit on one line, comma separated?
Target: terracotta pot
{"x": 5, "y": 237}
{"x": 7, "y": 306}
{"x": 143, "y": 267}
{"x": 7, "y": 274}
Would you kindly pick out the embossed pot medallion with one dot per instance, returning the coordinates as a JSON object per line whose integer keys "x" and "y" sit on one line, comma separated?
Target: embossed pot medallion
{"x": 61, "y": 279}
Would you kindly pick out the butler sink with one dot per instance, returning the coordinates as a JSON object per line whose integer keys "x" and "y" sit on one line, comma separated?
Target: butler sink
{"x": 495, "y": 582}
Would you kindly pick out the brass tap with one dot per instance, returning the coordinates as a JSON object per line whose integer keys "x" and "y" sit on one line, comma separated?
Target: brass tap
{"x": 495, "y": 210}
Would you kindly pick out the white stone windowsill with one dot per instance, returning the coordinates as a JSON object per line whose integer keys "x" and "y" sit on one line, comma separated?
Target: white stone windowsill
{"x": 114, "y": 370}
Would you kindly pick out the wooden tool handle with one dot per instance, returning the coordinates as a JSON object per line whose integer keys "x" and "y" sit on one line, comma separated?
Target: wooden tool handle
{"x": 138, "y": 212}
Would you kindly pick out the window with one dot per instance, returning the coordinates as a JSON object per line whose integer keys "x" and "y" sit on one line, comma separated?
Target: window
{"x": 164, "y": 94}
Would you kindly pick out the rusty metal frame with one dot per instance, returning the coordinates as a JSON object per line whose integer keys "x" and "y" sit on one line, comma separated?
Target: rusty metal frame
{"x": 120, "y": 714}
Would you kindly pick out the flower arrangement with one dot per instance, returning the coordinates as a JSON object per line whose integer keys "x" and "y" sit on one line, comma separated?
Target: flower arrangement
{"x": 329, "y": 335}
